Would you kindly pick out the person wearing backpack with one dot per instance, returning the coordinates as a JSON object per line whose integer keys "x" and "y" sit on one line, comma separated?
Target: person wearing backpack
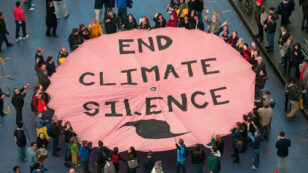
{"x": 182, "y": 153}
{"x": 132, "y": 160}
{"x": 102, "y": 155}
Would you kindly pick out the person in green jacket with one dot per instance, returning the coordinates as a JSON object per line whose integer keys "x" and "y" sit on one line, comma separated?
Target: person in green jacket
{"x": 213, "y": 160}
{"x": 74, "y": 150}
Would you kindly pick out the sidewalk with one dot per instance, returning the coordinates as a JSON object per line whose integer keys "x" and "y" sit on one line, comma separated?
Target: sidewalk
{"x": 294, "y": 28}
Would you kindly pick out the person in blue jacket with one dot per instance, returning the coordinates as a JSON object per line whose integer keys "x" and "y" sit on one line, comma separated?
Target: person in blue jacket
{"x": 85, "y": 156}
{"x": 255, "y": 145}
{"x": 181, "y": 158}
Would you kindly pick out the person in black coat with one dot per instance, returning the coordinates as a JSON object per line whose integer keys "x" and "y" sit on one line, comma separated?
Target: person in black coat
{"x": 187, "y": 22}
{"x": 197, "y": 158}
{"x": 42, "y": 74}
{"x": 285, "y": 9}
{"x": 84, "y": 32}
{"x": 3, "y": 32}
{"x": 102, "y": 156}
{"x": 111, "y": 22}
{"x": 195, "y": 6}
{"x": 50, "y": 66}
{"x": 160, "y": 21}
{"x": 282, "y": 146}
{"x": 55, "y": 133}
{"x": 131, "y": 23}
{"x": 144, "y": 23}
{"x": 51, "y": 20}
{"x": 296, "y": 58}
{"x": 149, "y": 162}
{"x": 18, "y": 102}
{"x": 20, "y": 141}
{"x": 75, "y": 40}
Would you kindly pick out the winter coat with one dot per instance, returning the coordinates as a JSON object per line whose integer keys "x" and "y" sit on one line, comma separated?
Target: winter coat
{"x": 149, "y": 164}
{"x": 21, "y": 137}
{"x": 197, "y": 157}
{"x": 96, "y": 30}
{"x": 50, "y": 68}
{"x": 173, "y": 23}
{"x": 42, "y": 77}
{"x": 85, "y": 154}
{"x": 304, "y": 4}
{"x": 18, "y": 99}
{"x": 111, "y": 27}
{"x": 74, "y": 41}
{"x": 129, "y": 25}
{"x": 282, "y": 146}
{"x": 158, "y": 23}
{"x": 286, "y": 8}
{"x": 122, "y": 3}
{"x": 42, "y": 143}
{"x": 198, "y": 25}
{"x": 213, "y": 27}
{"x": 3, "y": 29}
{"x": 284, "y": 37}
{"x": 213, "y": 162}
{"x": 197, "y": 5}
{"x": 51, "y": 19}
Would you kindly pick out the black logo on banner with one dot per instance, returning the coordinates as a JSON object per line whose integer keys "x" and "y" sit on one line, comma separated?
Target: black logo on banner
{"x": 152, "y": 129}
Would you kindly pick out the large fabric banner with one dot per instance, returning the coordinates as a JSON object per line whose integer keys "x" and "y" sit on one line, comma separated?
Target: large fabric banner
{"x": 145, "y": 88}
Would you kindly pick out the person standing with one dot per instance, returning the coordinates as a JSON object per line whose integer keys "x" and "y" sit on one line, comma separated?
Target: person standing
{"x": 149, "y": 162}
{"x": 61, "y": 3}
{"x": 285, "y": 9}
{"x": 270, "y": 29}
{"x": 20, "y": 22}
{"x": 266, "y": 116}
{"x": 2, "y": 96}
{"x": 214, "y": 24}
{"x": 51, "y": 20}
{"x": 41, "y": 73}
{"x": 16, "y": 169}
{"x": 55, "y": 133}
{"x": 18, "y": 102}
{"x": 181, "y": 157}
{"x": 294, "y": 91}
{"x": 258, "y": 13}
{"x": 122, "y": 12}
{"x": 116, "y": 159}
{"x": 213, "y": 160}
{"x": 111, "y": 22}
{"x": 98, "y": 8}
{"x": 109, "y": 167}
{"x": 255, "y": 145}
{"x": 197, "y": 158}
{"x": 85, "y": 156}
{"x": 3, "y": 32}
{"x": 20, "y": 141}
{"x": 32, "y": 156}
{"x": 282, "y": 146}
{"x": 68, "y": 134}
{"x": 102, "y": 156}
{"x": 30, "y": 5}
{"x": 50, "y": 66}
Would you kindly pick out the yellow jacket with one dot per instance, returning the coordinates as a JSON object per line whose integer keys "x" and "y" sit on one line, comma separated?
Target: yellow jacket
{"x": 96, "y": 30}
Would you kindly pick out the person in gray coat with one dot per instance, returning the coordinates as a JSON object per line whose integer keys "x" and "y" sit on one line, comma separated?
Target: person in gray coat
{"x": 109, "y": 167}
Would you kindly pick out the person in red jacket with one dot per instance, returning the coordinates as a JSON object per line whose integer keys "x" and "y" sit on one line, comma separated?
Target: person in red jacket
{"x": 246, "y": 52}
{"x": 116, "y": 159}
{"x": 232, "y": 40}
{"x": 173, "y": 21}
{"x": 20, "y": 22}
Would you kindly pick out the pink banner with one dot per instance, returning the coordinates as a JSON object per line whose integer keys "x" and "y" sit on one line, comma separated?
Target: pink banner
{"x": 144, "y": 88}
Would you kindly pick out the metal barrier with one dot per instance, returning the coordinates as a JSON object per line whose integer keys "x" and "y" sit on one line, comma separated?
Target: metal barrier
{"x": 305, "y": 48}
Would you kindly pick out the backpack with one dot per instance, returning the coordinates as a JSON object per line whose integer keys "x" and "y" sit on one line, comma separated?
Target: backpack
{"x": 133, "y": 163}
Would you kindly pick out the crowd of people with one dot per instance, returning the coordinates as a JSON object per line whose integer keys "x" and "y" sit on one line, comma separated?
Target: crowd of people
{"x": 254, "y": 129}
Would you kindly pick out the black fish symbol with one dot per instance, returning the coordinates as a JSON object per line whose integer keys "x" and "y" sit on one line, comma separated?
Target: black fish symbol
{"x": 152, "y": 129}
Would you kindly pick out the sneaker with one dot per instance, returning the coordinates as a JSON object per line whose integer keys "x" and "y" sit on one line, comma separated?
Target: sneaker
{"x": 25, "y": 37}
{"x": 65, "y": 17}
{"x": 253, "y": 167}
{"x": 31, "y": 9}
{"x": 32, "y": 5}
{"x": 18, "y": 39}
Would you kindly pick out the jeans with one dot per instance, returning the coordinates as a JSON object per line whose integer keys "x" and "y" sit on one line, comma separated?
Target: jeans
{"x": 122, "y": 13}
{"x": 85, "y": 167}
{"x": 63, "y": 6}
{"x": 21, "y": 24}
{"x": 260, "y": 32}
{"x": 180, "y": 165}
{"x": 98, "y": 14}
{"x": 21, "y": 152}
{"x": 282, "y": 160}
{"x": 270, "y": 38}
{"x": 18, "y": 116}
{"x": 55, "y": 145}
{"x": 255, "y": 157}
{"x": 3, "y": 38}
{"x": 198, "y": 168}
{"x": 67, "y": 155}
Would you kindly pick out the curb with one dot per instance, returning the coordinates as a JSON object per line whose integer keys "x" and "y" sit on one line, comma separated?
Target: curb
{"x": 250, "y": 30}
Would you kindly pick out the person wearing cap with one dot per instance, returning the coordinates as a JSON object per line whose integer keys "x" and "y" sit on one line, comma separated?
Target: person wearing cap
{"x": 109, "y": 167}
{"x": 255, "y": 145}
{"x": 266, "y": 116}
{"x": 55, "y": 133}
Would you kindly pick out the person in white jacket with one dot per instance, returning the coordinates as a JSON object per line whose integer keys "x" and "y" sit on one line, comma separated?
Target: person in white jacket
{"x": 157, "y": 167}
